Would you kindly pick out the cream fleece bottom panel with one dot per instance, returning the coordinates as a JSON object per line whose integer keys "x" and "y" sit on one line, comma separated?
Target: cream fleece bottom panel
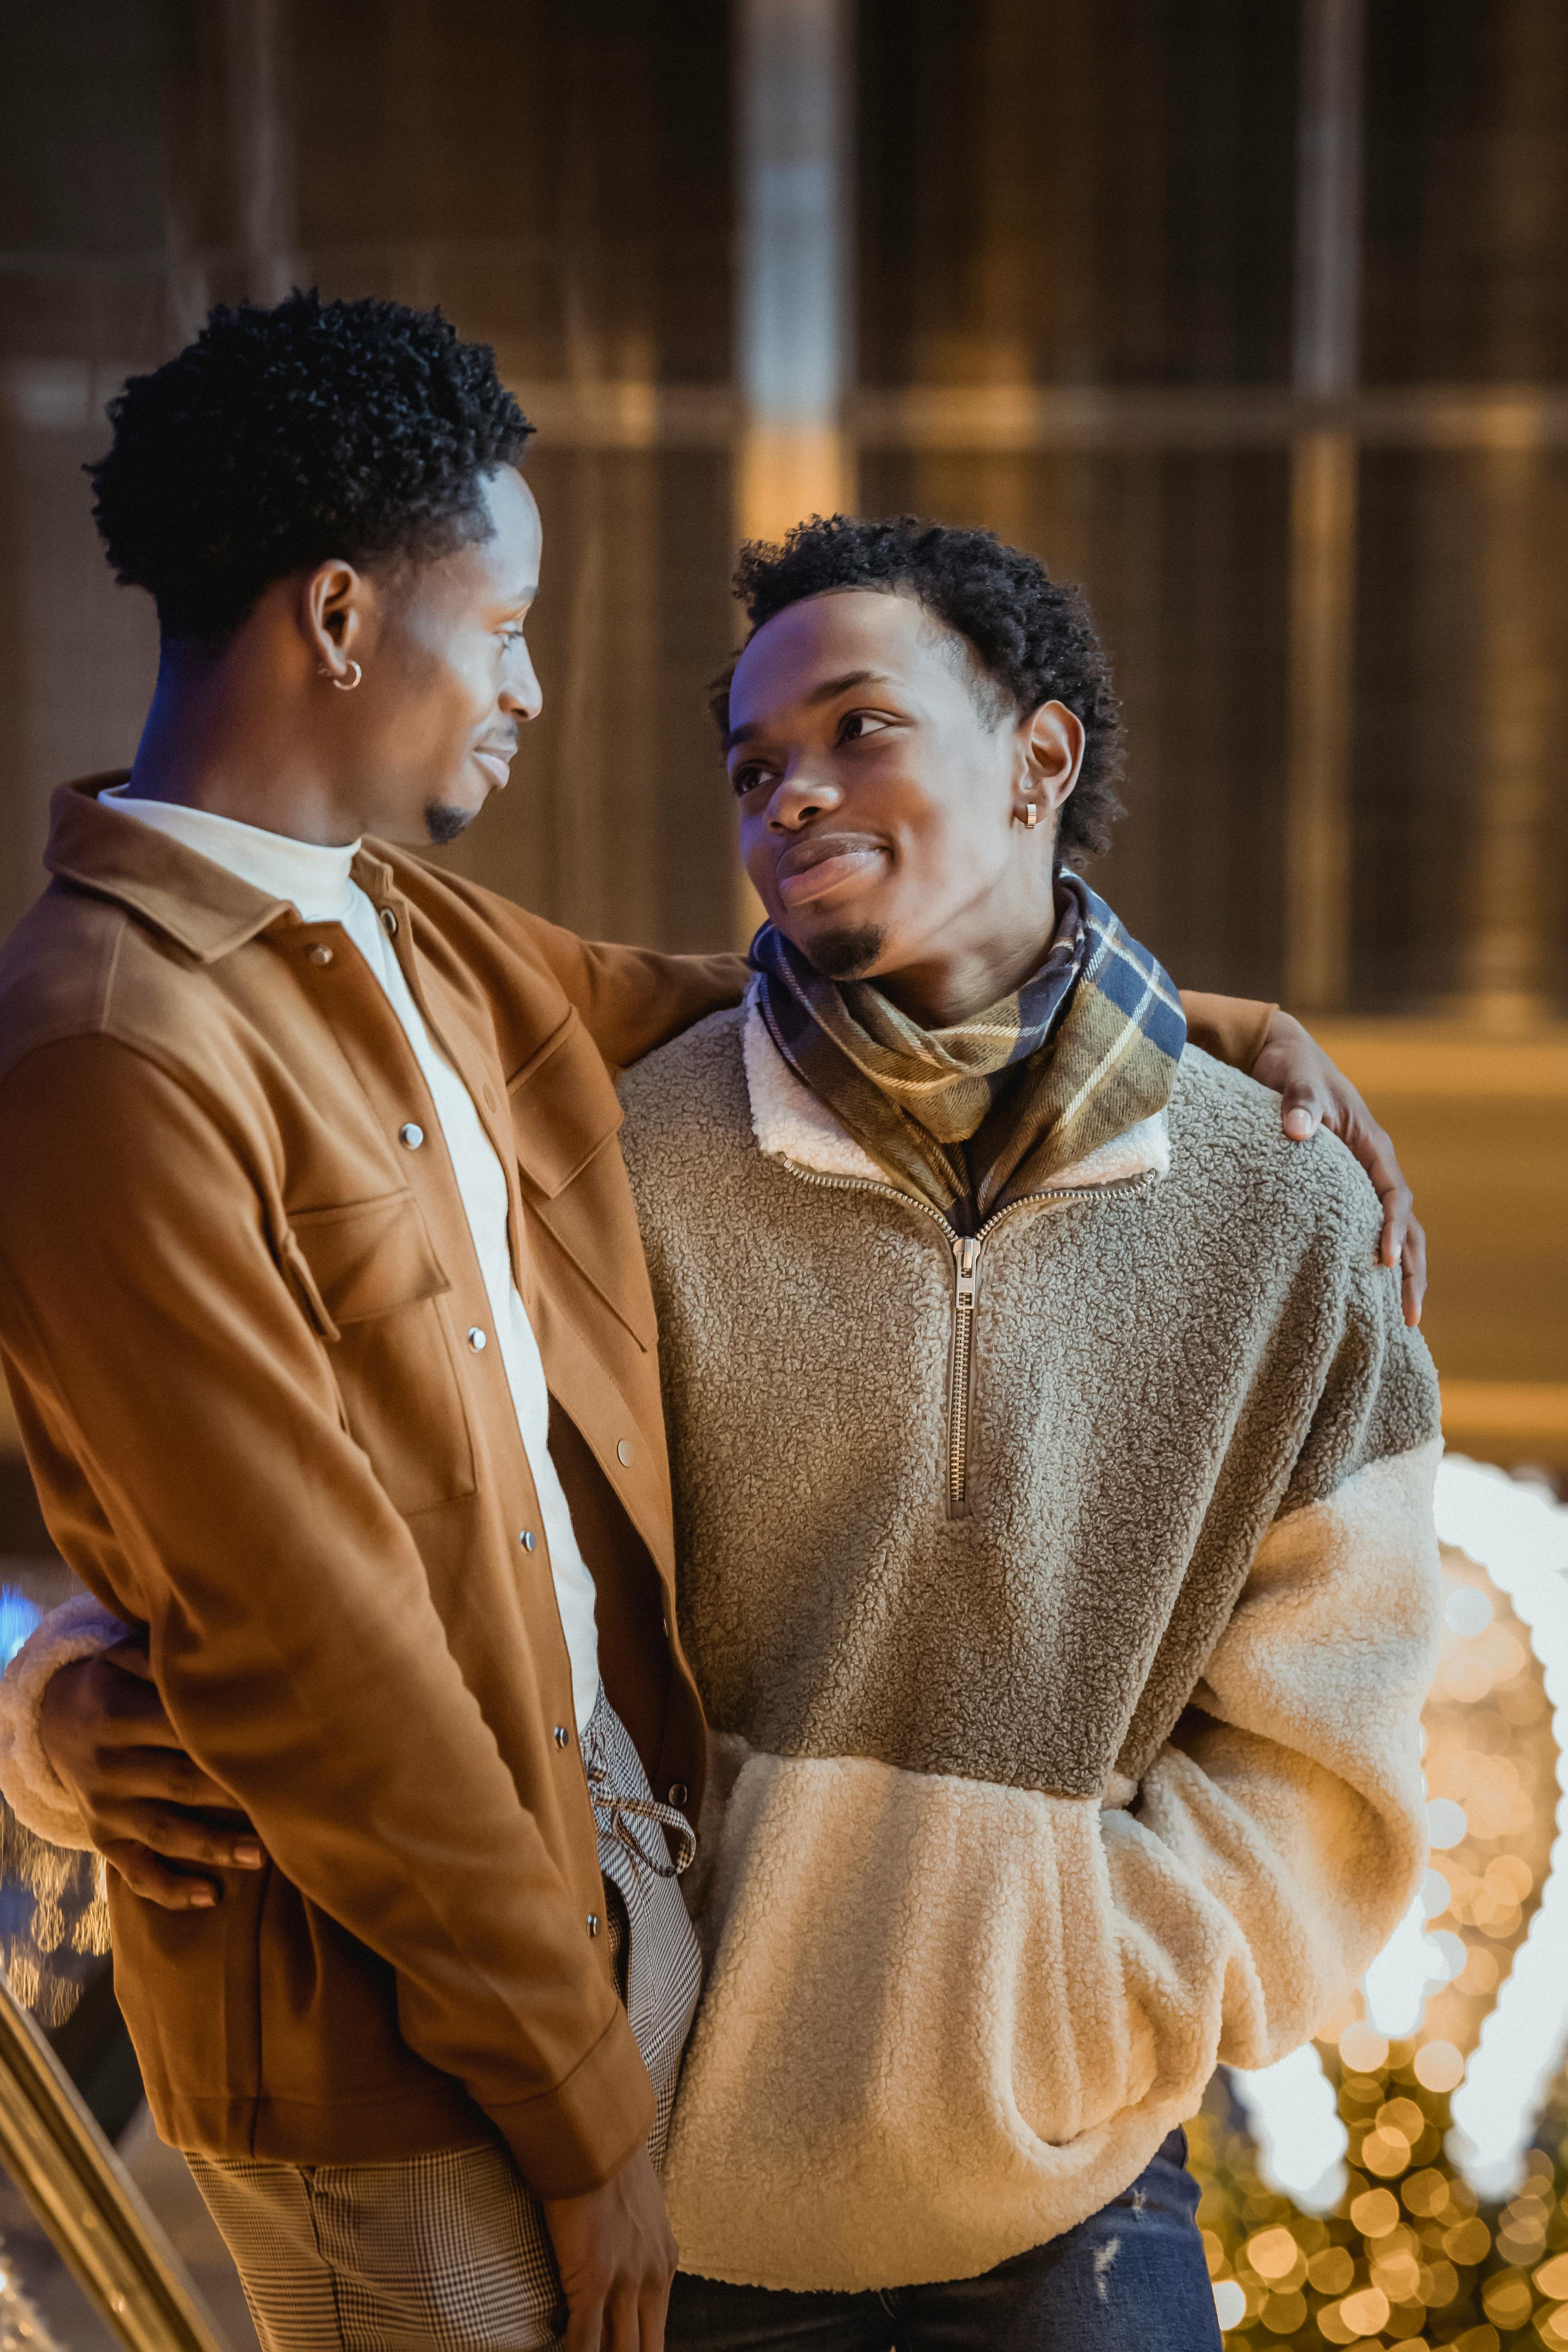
{"x": 921, "y": 2048}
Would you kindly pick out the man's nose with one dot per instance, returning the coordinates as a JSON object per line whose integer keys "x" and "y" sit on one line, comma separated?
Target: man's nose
{"x": 802, "y": 792}
{"x": 522, "y": 695}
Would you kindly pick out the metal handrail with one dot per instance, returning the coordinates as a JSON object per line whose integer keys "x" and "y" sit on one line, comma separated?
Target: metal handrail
{"x": 86, "y": 2200}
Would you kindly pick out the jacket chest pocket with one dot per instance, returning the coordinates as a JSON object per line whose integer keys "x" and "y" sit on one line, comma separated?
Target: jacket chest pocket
{"x": 372, "y": 1283}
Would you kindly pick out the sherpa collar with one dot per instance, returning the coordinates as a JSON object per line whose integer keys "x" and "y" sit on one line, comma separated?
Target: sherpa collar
{"x": 792, "y": 1123}
{"x": 986, "y": 1112}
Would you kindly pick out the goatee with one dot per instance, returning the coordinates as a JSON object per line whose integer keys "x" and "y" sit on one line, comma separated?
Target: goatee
{"x": 846, "y": 955}
{"x": 445, "y": 825}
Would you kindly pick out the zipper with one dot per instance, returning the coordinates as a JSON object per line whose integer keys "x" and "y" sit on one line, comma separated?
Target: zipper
{"x": 966, "y": 1258}
{"x": 966, "y": 1249}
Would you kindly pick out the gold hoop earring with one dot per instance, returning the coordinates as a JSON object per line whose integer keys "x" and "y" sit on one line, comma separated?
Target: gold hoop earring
{"x": 1030, "y": 815}
{"x": 345, "y": 684}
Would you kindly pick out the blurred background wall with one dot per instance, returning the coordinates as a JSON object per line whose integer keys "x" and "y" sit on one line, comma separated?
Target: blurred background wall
{"x": 1254, "y": 318}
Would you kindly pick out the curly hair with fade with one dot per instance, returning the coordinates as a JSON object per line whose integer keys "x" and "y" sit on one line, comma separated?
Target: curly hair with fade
{"x": 282, "y": 437}
{"x": 1031, "y": 637}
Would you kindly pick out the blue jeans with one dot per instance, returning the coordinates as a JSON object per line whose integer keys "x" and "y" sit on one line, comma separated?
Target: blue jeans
{"x": 1130, "y": 2279}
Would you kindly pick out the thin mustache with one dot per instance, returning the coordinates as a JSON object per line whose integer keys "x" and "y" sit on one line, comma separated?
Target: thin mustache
{"x": 818, "y": 848}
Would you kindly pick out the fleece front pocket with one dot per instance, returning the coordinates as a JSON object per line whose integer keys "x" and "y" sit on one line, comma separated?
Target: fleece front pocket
{"x": 372, "y": 1284}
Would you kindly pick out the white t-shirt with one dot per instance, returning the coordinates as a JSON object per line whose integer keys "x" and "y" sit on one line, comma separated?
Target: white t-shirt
{"x": 317, "y": 881}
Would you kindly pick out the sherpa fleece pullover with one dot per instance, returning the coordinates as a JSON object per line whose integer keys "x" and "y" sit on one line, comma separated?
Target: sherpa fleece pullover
{"x": 1063, "y": 1611}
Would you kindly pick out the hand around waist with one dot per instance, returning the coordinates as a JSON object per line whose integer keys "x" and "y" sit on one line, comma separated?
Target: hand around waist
{"x": 150, "y": 1809}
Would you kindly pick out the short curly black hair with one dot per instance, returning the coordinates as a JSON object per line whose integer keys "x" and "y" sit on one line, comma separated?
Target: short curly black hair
{"x": 1033, "y": 638}
{"x": 281, "y": 437}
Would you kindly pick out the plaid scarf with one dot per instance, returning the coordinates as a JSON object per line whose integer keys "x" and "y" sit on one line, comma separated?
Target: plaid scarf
{"x": 1086, "y": 1048}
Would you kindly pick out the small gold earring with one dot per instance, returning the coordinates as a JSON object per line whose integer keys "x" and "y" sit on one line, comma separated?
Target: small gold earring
{"x": 1030, "y": 815}
{"x": 343, "y": 685}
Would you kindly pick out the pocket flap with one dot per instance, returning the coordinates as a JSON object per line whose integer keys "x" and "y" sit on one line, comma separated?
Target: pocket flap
{"x": 366, "y": 1258}
{"x": 564, "y": 1108}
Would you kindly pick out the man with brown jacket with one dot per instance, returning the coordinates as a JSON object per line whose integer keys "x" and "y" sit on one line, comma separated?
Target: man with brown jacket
{"x": 322, "y": 1303}
{"x": 310, "y": 1206}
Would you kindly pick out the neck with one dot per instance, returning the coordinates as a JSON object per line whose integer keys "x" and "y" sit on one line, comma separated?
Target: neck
{"x": 965, "y": 974}
{"x": 227, "y": 739}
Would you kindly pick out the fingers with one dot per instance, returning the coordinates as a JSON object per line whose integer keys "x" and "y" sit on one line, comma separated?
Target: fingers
{"x": 127, "y": 1704}
{"x": 1403, "y": 1241}
{"x": 1304, "y": 1107}
{"x": 179, "y": 1835}
{"x": 629, "y": 2318}
{"x": 170, "y": 1774}
{"x": 652, "y": 2313}
{"x": 1294, "y": 1067}
{"x": 623, "y": 2323}
{"x": 157, "y": 1881}
{"x": 1412, "y": 1285}
{"x": 584, "y": 2325}
{"x": 1397, "y": 1207}
{"x": 97, "y": 1701}
{"x": 1301, "y": 1112}
{"x": 616, "y": 2258}
{"x": 154, "y": 1775}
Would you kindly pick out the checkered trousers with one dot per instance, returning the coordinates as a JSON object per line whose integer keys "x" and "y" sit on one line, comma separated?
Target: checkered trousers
{"x": 449, "y": 2252}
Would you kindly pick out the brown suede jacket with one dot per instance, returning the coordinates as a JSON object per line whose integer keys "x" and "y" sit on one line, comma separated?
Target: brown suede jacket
{"x": 233, "y": 1315}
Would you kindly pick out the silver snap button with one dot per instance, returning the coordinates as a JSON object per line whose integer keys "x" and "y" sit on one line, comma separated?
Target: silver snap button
{"x": 410, "y": 1136}
{"x": 527, "y": 1539}
{"x": 389, "y": 922}
{"x": 477, "y": 1341}
{"x": 593, "y": 1923}
{"x": 679, "y": 1792}
{"x": 321, "y": 955}
{"x": 624, "y": 1451}
{"x": 562, "y": 1735}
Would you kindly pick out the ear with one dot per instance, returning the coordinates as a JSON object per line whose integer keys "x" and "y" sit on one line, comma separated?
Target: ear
{"x": 1051, "y": 741}
{"x": 336, "y": 609}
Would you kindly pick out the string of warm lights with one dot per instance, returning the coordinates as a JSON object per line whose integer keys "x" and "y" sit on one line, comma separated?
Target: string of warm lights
{"x": 1346, "y": 2199}
{"x": 22, "y": 2325}
{"x": 1521, "y": 1536}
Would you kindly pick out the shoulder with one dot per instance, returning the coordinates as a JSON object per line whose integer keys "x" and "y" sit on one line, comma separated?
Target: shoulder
{"x": 99, "y": 1013}
{"x": 685, "y": 1104}
{"x": 481, "y": 924}
{"x": 703, "y": 1062}
{"x": 1304, "y": 1221}
{"x": 1278, "y": 1197}
{"x": 446, "y": 895}
{"x": 72, "y": 968}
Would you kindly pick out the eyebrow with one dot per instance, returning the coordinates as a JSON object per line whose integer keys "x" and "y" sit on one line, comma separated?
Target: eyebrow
{"x": 830, "y": 688}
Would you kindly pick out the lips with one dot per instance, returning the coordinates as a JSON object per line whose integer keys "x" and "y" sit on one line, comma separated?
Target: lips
{"x": 825, "y": 863}
{"x": 496, "y": 758}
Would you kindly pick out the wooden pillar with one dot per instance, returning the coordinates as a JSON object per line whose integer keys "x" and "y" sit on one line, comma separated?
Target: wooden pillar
{"x": 794, "y": 68}
{"x": 1322, "y": 507}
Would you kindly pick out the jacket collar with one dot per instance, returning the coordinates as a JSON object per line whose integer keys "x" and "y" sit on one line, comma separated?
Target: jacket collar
{"x": 791, "y": 1122}
{"x": 199, "y": 906}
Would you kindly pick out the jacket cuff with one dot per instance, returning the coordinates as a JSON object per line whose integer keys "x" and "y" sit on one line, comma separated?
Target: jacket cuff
{"x": 80, "y": 1628}
{"x": 577, "y": 2135}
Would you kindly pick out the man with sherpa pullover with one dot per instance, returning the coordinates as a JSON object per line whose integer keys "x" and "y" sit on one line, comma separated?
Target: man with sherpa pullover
{"x": 1053, "y": 1476}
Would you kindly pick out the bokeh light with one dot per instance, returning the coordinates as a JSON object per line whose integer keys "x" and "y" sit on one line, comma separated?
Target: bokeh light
{"x": 1442, "y": 2222}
